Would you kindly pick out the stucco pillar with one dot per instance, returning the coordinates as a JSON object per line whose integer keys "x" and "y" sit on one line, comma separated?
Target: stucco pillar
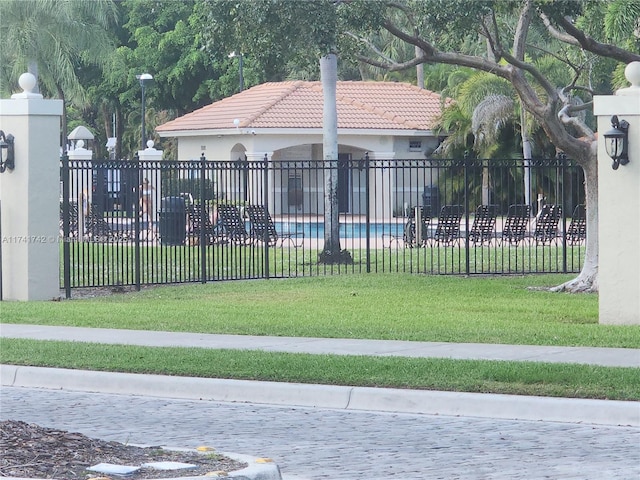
{"x": 256, "y": 180}
{"x": 82, "y": 198}
{"x": 619, "y": 208}
{"x": 151, "y": 181}
{"x": 30, "y": 196}
{"x": 383, "y": 182}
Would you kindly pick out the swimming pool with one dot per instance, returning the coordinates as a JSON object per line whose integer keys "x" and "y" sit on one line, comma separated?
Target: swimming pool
{"x": 347, "y": 230}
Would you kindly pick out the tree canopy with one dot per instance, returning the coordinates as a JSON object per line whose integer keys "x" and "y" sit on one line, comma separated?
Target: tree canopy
{"x": 550, "y": 57}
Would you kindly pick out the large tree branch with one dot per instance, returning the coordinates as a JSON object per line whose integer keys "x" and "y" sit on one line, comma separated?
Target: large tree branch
{"x": 557, "y": 34}
{"x": 433, "y": 55}
{"x": 578, "y": 38}
{"x": 514, "y": 71}
{"x": 534, "y": 72}
{"x": 520, "y": 37}
{"x": 566, "y": 117}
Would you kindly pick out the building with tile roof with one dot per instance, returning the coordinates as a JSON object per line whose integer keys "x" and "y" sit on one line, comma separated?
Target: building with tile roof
{"x": 386, "y": 119}
{"x": 283, "y": 121}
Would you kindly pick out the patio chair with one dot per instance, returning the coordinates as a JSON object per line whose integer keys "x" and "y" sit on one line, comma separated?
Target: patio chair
{"x": 409, "y": 233}
{"x": 263, "y": 229}
{"x": 448, "y": 227}
{"x": 199, "y": 224}
{"x": 546, "y": 230}
{"x": 515, "y": 225}
{"x": 577, "y": 231}
{"x": 98, "y": 229}
{"x": 231, "y": 227}
{"x": 73, "y": 220}
{"x": 484, "y": 224}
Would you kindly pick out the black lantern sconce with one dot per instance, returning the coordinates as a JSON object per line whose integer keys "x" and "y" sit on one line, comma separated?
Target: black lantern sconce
{"x": 7, "y": 153}
{"x": 616, "y": 142}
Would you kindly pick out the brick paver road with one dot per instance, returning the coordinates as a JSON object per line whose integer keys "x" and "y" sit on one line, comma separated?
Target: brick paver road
{"x": 347, "y": 445}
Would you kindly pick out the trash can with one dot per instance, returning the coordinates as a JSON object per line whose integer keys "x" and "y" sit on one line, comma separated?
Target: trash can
{"x": 430, "y": 199}
{"x": 172, "y": 221}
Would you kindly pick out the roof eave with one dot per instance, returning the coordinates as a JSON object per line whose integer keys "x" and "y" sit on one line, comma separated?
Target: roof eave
{"x": 294, "y": 131}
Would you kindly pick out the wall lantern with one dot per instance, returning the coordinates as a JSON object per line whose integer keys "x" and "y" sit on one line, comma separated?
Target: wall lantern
{"x": 616, "y": 142}
{"x": 7, "y": 154}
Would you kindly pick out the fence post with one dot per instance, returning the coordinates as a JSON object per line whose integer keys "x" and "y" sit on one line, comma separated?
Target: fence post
{"x": 66, "y": 255}
{"x": 467, "y": 263}
{"x": 367, "y": 207}
{"x": 203, "y": 211}
{"x": 136, "y": 209}
{"x": 265, "y": 196}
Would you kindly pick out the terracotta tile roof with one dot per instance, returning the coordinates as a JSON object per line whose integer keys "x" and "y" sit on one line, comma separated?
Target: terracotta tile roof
{"x": 298, "y": 104}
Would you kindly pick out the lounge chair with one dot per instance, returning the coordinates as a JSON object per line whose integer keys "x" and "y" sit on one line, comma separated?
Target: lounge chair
{"x": 409, "y": 235}
{"x": 448, "y": 228}
{"x": 98, "y": 229}
{"x": 199, "y": 225}
{"x": 577, "y": 231}
{"x": 231, "y": 227}
{"x": 484, "y": 224}
{"x": 73, "y": 220}
{"x": 263, "y": 228}
{"x": 515, "y": 225}
{"x": 547, "y": 224}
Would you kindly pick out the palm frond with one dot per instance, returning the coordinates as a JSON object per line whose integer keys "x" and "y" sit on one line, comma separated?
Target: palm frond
{"x": 489, "y": 117}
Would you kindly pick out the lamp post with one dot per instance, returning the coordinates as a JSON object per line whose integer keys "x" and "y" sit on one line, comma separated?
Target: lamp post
{"x": 144, "y": 79}
{"x": 240, "y": 65}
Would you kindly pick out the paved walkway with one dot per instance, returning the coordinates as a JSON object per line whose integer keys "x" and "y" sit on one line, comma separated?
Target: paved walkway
{"x": 341, "y": 397}
{"x": 608, "y": 357}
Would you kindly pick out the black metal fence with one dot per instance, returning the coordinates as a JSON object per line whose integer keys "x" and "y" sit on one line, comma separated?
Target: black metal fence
{"x": 153, "y": 222}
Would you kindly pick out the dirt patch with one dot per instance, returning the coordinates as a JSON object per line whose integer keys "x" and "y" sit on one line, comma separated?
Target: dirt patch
{"x": 31, "y": 451}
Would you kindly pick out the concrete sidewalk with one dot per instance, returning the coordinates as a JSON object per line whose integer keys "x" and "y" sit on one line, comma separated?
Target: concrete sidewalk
{"x": 340, "y": 397}
{"x": 608, "y": 357}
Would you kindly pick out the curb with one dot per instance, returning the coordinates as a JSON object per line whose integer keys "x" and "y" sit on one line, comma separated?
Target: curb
{"x": 510, "y": 407}
{"x": 258, "y": 468}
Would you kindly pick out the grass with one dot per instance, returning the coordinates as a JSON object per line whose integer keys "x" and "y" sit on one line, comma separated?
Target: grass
{"x": 113, "y": 264}
{"x": 516, "y": 310}
{"x": 381, "y": 306}
{"x": 521, "y": 378}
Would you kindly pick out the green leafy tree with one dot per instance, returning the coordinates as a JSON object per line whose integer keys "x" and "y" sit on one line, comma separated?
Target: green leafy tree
{"x": 592, "y": 39}
{"x": 55, "y": 41}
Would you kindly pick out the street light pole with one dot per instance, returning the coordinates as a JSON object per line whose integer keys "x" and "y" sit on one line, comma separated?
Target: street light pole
{"x": 144, "y": 78}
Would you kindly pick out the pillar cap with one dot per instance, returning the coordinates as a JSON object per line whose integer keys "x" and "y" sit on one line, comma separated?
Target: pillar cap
{"x": 632, "y": 73}
{"x": 27, "y": 82}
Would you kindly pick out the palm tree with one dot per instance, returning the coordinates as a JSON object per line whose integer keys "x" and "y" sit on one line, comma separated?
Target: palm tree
{"x": 52, "y": 40}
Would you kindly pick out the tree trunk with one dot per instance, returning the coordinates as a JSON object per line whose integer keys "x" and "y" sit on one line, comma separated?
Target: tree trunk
{"x": 526, "y": 155}
{"x": 331, "y": 252}
{"x": 32, "y": 68}
{"x": 587, "y": 280}
{"x": 419, "y": 69}
{"x": 486, "y": 183}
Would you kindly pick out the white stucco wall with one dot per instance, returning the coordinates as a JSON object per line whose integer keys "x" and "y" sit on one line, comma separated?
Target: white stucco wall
{"x": 619, "y": 215}
{"x": 30, "y": 200}
{"x": 302, "y": 145}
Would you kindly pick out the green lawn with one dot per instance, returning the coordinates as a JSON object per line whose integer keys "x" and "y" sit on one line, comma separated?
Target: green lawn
{"x": 115, "y": 264}
{"x": 515, "y": 310}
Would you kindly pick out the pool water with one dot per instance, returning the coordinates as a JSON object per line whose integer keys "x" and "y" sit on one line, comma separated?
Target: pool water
{"x": 347, "y": 230}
